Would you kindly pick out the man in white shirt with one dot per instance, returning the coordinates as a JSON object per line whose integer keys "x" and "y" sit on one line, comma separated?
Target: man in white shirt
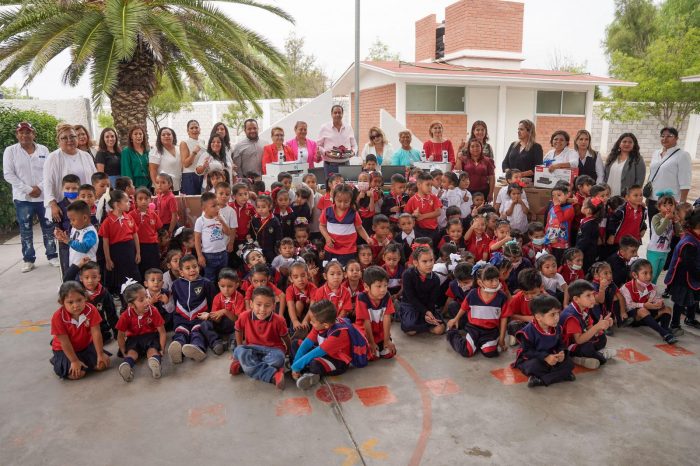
{"x": 671, "y": 169}
{"x": 335, "y": 134}
{"x": 23, "y": 168}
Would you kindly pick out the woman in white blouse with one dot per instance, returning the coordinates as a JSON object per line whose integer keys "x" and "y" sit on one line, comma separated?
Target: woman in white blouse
{"x": 561, "y": 155}
{"x": 221, "y": 130}
{"x": 377, "y": 145}
{"x": 190, "y": 151}
{"x": 166, "y": 158}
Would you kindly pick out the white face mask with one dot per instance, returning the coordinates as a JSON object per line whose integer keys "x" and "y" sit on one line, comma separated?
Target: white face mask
{"x": 363, "y": 185}
{"x": 538, "y": 241}
{"x": 492, "y": 290}
{"x": 575, "y": 267}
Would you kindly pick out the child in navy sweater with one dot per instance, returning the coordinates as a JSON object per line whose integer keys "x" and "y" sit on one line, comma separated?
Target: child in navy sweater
{"x": 542, "y": 353}
{"x": 265, "y": 228}
{"x": 421, "y": 293}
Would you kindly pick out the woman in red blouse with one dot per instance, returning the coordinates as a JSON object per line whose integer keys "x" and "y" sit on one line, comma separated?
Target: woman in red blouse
{"x": 438, "y": 149}
{"x": 270, "y": 152}
{"x": 482, "y": 176}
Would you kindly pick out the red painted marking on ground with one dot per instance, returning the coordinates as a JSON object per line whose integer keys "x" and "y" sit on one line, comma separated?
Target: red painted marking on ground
{"x": 441, "y": 387}
{"x": 341, "y": 392}
{"x": 207, "y": 416}
{"x": 674, "y": 350}
{"x": 427, "y": 408}
{"x": 631, "y": 356}
{"x": 509, "y": 375}
{"x": 581, "y": 370}
{"x": 294, "y": 407}
{"x": 375, "y": 396}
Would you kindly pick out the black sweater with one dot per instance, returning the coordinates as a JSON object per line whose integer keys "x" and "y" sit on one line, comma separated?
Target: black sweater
{"x": 423, "y": 295}
{"x": 522, "y": 160}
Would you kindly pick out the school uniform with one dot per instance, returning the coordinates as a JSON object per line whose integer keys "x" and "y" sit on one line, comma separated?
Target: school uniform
{"x": 304, "y": 296}
{"x": 353, "y": 292}
{"x": 517, "y": 305}
{"x": 608, "y": 306}
{"x": 141, "y": 330}
{"x": 103, "y": 302}
{"x": 394, "y": 278}
{"x": 340, "y": 298}
{"x": 627, "y": 221}
{"x": 459, "y": 244}
{"x": 63, "y": 225}
{"x": 120, "y": 232}
{"x": 620, "y": 269}
{"x": 324, "y": 353}
{"x": 374, "y": 311}
{"x": 636, "y": 295}
{"x": 530, "y": 251}
{"x": 191, "y": 298}
{"x": 367, "y": 214}
{"x": 80, "y": 335}
{"x": 286, "y": 219}
{"x": 457, "y": 293}
{"x": 301, "y": 211}
{"x": 479, "y": 246}
{"x": 420, "y": 295}
{"x": 377, "y": 248}
{"x": 482, "y": 328}
{"x": 587, "y": 240}
{"x": 263, "y": 353}
{"x": 166, "y": 205}
{"x": 164, "y": 309}
{"x": 343, "y": 232}
{"x": 512, "y": 281}
{"x": 430, "y": 203}
{"x": 268, "y": 233}
{"x": 390, "y": 201}
{"x": 574, "y": 320}
{"x": 406, "y": 242}
{"x": 683, "y": 277}
{"x": 147, "y": 225}
{"x": 570, "y": 274}
{"x": 535, "y": 345}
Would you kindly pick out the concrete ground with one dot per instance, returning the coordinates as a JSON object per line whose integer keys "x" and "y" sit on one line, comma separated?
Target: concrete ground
{"x": 427, "y": 406}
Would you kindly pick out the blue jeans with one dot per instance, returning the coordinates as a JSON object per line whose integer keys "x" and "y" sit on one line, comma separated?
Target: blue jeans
{"x": 215, "y": 262}
{"x": 259, "y": 362}
{"x": 26, "y": 211}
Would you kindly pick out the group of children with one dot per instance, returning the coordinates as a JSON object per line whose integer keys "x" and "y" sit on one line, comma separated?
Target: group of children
{"x": 296, "y": 280}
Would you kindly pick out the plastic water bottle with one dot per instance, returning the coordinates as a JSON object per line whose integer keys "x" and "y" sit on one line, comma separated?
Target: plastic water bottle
{"x": 422, "y": 156}
{"x": 280, "y": 156}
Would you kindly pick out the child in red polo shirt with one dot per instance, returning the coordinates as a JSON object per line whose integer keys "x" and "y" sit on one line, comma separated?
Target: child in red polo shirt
{"x": 425, "y": 207}
{"x": 245, "y": 210}
{"x": 141, "y": 332}
{"x": 477, "y": 240}
{"x": 228, "y": 304}
{"x": 517, "y": 313}
{"x": 381, "y": 237}
{"x": 260, "y": 276}
{"x": 147, "y": 225}
{"x": 353, "y": 279}
{"x": 266, "y": 340}
{"x": 120, "y": 243}
{"x": 166, "y": 204}
{"x": 299, "y": 294}
{"x": 373, "y": 312}
{"x": 572, "y": 268}
{"x": 333, "y": 290}
{"x": 629, "y": 219}
{"x": 77, "y": 342}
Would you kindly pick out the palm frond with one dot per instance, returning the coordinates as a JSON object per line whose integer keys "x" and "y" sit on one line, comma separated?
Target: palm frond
{"x": 104, "y": 69}
{"x": 124, "y": 19}
{"x": 264, "y": 6}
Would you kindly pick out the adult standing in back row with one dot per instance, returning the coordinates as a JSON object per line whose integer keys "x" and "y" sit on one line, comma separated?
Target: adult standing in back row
{"x": 190, "y": 151}
{"x": 624, "y": 166}
{"x": 335, "y": 134}
{"x": 525, "y": 153}
{"x": 671, "y": 170}
{"x": 438, "y": 149}
{"x": 247, "y": 153}
{"x": 134, "y": 160}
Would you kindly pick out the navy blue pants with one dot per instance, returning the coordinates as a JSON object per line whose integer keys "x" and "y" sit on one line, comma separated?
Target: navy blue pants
{"x": 548, "y": 374}
{"x": 198, "y": 333}
{"x": 61, "y": 363}
{"x": 413, "y": 320}
{"x": 342, "y": 258}
{"x": 476, "y": 339}
{"x": 591, "y": 349}
{"x": 150, "y": 257}
{"x": 191, "y": 184}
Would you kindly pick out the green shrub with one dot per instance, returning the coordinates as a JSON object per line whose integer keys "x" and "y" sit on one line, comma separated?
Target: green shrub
{"x": 45, "y": 126}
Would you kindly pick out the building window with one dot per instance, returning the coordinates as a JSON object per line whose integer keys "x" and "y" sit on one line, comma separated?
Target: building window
{"x": 561, "y": 103}
{"x": 435, "y": 99}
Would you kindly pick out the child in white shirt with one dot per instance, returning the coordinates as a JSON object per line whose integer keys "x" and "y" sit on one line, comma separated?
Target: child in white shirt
{"x": 515, "y": 208}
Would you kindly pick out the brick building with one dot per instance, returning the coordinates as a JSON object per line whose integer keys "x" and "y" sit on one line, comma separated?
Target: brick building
{"x": 467, "y": 68}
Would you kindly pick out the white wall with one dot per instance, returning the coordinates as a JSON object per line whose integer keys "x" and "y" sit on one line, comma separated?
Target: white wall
{"x": 391, "y": 127}
{"x": 520, "y": 105}
{"x": 482, "y": 104}
{"x": 74, "y": 111}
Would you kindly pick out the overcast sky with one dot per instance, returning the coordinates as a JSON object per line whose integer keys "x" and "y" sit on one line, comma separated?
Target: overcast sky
{"x": 573, "y": 27}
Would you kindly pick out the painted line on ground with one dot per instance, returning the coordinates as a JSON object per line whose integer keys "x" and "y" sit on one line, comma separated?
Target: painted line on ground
{"x": 427, "y": 408}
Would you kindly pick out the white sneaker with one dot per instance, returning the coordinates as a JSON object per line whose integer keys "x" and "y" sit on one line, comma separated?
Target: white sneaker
{"x": 175, "y": 352}
{"x": 154, "y": 365}
{"x": 126, "y": 371}
{"x": 193, "y": 352}
{"x": 511, "y": 340}
{"x": 27, "y": 267}
{"x": 588, "y": 363}
{"x": 307, "y": 381}
{"x": 55, "y": 262}
{"x": 608, "y": 353}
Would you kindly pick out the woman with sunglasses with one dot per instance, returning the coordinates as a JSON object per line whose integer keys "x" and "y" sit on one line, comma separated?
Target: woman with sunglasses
{"x": 377, "y": 145}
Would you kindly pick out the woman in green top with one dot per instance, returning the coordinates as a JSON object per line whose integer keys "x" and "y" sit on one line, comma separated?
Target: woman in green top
{"x": 135, "y": 158}
{"x": 406, "y": 155}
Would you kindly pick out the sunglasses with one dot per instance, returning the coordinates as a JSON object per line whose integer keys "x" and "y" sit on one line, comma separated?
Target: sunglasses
{"x": 375, "y": 136}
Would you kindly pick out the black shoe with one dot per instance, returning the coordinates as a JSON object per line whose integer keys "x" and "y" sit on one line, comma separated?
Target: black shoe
{"x": 627, "y": 322}
{"x": 609, "y": 331}
{"x": 570, "y": 378}
{"x": 218, "y": 348}
{"x": 677, "y": 331}
{"x": 535, "y": 382}
{"x": 692, "y": 323}
{"x": 671, "y": 339}
{"x": 666, "y": 294}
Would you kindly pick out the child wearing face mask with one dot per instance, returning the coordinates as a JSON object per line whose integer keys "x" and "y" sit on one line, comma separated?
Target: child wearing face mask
{"x": 572, "y": 268}
{"x": 482, "y": 327}
{"x": 536, "y": 241}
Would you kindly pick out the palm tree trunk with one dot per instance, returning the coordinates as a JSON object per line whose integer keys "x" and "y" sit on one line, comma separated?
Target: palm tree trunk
{"x": 136, "y": 84}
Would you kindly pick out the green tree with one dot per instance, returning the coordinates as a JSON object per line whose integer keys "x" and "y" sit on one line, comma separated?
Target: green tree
{"x": 633, "y": 29}
{"x": 12, "y": 92}
{"x": 166, "y": 102}
{"x": 129, "y": 46}
{"x": 302, "y": 75}
{"x": 105, "y": 120}
{"x": 237, "y": 113}
{"x": 45, "y": 127}
{"x": 379, "y": 51}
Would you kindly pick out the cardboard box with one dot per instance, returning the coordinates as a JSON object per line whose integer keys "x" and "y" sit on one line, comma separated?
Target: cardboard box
{"x": 537, "y": 199}
{"x": 546, "y": 179}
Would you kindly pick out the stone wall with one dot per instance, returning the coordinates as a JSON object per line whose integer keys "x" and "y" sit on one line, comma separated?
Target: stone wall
{"x": 75, "y": 111}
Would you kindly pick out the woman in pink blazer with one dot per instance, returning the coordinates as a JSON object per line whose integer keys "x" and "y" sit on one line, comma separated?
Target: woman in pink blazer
{"x": 303, "y": 148}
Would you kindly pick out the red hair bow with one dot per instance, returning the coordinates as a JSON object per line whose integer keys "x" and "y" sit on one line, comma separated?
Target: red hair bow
{"x": 596, "y": 201}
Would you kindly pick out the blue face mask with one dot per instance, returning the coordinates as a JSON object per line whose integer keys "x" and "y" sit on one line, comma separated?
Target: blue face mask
{"x": 538, "y": 241}
{"x": 70, "y": 196}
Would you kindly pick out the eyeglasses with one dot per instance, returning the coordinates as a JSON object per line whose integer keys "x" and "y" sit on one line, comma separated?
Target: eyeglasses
{"x": 375, "y": 136}
{"x": 68, "y": 138}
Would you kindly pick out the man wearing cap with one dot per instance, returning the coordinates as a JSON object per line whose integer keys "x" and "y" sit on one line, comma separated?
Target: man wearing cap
{"x": 23, "y": 168}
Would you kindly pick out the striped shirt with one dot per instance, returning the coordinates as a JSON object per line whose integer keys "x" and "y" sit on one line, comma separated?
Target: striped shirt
{"x": 342, "y": 230}
{"x": 482, "y": 313}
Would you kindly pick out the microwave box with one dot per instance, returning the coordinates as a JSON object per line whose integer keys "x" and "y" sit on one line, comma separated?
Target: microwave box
{"x": 546, "y": 179}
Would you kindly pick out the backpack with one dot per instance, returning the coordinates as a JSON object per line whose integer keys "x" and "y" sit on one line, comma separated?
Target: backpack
{"x": 358, "y": 342}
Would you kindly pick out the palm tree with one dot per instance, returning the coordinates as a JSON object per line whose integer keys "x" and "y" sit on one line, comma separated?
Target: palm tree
{"x": 129, "y": 46}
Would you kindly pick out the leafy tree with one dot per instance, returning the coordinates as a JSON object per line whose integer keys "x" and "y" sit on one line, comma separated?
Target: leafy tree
{"x": 166, "y": 102}
{"x": 105, "y": 120}
{"x": 237, "y": 113}
{"x": 128, "y": 46}
{"x": 379, "y": 51}
{"x": 302, "y": 75}
{"x": 45, "y": 127}
{"x": 560, "y": 61}
{"x": 12, "y": 92}
{"x": 633, "y": 29}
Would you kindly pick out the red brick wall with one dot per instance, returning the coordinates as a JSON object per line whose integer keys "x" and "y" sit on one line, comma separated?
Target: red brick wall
{"x": 371, "y": 101}
{"x": 425, "y": 38}
{"x": 455, "y": 126}
{"x": 484, "y": 25}
{"x": 546, "y": 125}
